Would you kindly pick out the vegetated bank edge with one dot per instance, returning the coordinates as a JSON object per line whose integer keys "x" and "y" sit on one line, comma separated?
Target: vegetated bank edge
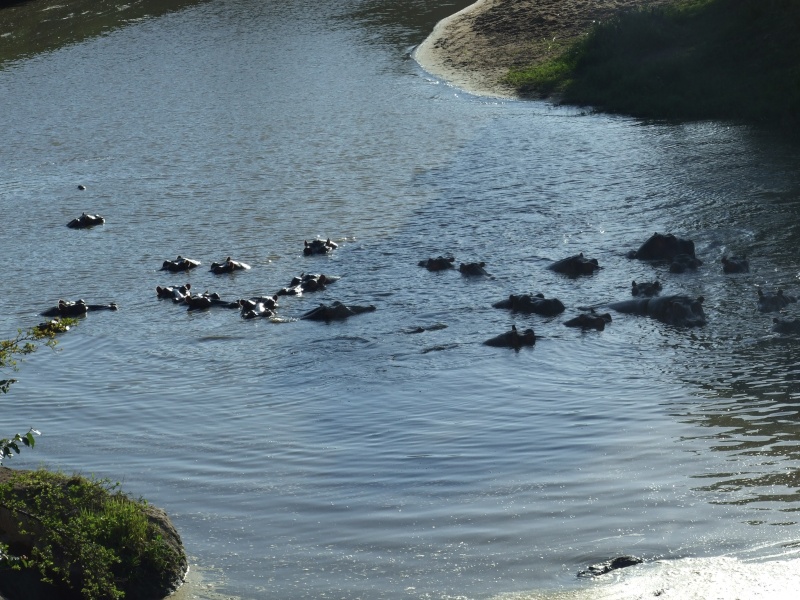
{"x": 686, "y": 60}
{"x": 68, "y": 536}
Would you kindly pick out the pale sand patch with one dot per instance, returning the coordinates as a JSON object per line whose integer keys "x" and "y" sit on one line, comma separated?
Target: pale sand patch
{"x": 455, "y": 53}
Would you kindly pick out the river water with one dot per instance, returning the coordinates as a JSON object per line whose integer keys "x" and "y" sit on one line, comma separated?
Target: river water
{"x": 361, "y": 459}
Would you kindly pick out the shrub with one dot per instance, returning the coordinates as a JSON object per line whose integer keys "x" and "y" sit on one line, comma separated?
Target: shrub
{"x": 85, "y": 535}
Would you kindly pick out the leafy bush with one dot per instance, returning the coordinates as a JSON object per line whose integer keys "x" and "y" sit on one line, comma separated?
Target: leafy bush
{"x": 88, "y": 536}
{"x": 694, "y": 59}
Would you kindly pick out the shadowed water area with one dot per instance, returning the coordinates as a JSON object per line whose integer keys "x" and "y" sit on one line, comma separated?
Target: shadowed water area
{"x": 391, "y": 455}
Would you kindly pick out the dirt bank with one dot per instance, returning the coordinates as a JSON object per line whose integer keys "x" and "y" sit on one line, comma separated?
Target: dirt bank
{"x": 475, "y": 48}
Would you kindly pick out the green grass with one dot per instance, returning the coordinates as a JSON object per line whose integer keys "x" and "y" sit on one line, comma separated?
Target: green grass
{"x": 695, "y": 59}
{"x": 86, "y": 535}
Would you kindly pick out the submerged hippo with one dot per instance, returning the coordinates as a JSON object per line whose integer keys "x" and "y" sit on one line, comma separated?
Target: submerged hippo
{"x": 307, "y": 282}
{"x": 208, "y": 300}
{"x": 773, "y": 302}
{"x": 336, "y": 311}
{"x": 65, "y": 308}
{"x": 512, "y": 339}
{"x": 735, "y": 264}
{"x": 590, "y": 320}
{"x": 680, "y": 311}
{"x": 86, "y": 220}
{"x": 440, "y": 263}
{"x": 646, "y": 288}
{"x": 684, "y": 262}
{"x": 269, "y": 302}
{"x": 576, "y": 265}
{"x": 177, "y": 293}
{"x": 475, "y": 269}
{"x": 228, "y": 266}
{"x": 663, "y": 247}
{"x": 319, "y": 247}
{"x": 784, "y": 325}
{"x": 179, "y": 264}
{"x": 537, "y": 303}
{"x": 254, "y": 309}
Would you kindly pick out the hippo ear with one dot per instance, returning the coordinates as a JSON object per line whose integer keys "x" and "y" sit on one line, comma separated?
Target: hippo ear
{"x": 700, "y": 299}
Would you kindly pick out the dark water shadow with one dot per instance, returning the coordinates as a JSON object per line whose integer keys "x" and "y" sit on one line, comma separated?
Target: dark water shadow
{"x": 403, "y": 22}
{"x": 31, "y": 27}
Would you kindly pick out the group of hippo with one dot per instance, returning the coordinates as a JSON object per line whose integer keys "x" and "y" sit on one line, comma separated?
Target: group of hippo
{"x": 250, "y": 308}
{"x": 677, "y": 310}
{"x": 261, "y": 306}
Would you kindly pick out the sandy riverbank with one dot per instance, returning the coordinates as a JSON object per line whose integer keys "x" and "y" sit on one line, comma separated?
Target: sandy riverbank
{"x": 474, "y": 48}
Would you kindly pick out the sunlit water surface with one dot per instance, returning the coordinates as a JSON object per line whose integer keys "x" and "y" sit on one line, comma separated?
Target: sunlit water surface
{"x": 358, "y": 459}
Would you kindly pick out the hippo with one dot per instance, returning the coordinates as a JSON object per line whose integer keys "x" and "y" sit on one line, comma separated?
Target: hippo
{"x": 86, "y": 220}
{"x": 590, "y": 320}
{"x": 179, "y": 264}
{"x": 81, "y": 187}
{"x": 537, "y": 303}
{"x": 684, "y": 262}
{"x": 680, "y": 311}
{"x": 663, "y": 247}
{"x": 335, "y": 311}
{"x": 65, "y": 308}
{"x": 254, "y": 310}
{"x": 198, "y": 302}
{"x": 319, "y": 247}
{"x": 602, "y": 568}
{"x": 269, "y": 302}
{"x": 773, "y": 302}
{"x": 228, "y": 266}
{"x": 512, "y": 339}
{"x": 576, "y": 265}
{"x": 178, "y": 293}
{"x": 735, "y": 264}
{"x": 647, "y": 288}
{"x": 782, "y": 325}
{"x": 440, "y": 263}
{"x": 307, "y": 282}
{"x": 207, "y": 300}
{"x": 475, "y": 269}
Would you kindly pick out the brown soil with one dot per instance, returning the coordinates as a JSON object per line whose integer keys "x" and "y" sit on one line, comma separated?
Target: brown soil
{"x": 475, "y": 48}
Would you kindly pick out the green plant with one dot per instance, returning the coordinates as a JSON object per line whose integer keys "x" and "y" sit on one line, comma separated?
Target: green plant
{"x": 692, "y": 59}
{"x": 22, "y": 345}
{"x": 87, "y": 535}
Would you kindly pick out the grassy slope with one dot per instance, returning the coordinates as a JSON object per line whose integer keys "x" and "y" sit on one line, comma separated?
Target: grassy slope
{"x": 695, "y": 59}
